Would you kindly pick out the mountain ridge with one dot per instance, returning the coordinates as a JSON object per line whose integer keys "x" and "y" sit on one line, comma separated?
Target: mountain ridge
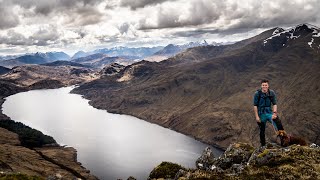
{"x": 203, "y": 91}
{"x": 35, "y": 58}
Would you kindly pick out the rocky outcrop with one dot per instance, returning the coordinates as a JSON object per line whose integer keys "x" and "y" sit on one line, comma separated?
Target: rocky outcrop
{"x": 46, "y": 84}
{"x": 29, "y": 74}
{"x": 47, "y": 162}
{"x": 242, "y": 161}
{"x": 111, "y": 69}
{"x": 26, "y": 161}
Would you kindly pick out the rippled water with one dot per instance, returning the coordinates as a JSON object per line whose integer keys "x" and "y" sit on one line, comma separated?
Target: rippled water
{"x": 111, "y": 146}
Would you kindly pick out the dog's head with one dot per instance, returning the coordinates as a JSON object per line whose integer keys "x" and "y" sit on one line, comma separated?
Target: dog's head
{"x": 284, "y": 138}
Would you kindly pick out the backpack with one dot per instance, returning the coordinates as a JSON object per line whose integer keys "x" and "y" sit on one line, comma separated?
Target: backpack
{"x": 268, "y": 95}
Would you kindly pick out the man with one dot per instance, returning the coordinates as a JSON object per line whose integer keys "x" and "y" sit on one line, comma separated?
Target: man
{"x": 265, "y": 109}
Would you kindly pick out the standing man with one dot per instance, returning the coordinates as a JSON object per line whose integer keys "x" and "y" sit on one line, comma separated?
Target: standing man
{"x": 265, "y": 108}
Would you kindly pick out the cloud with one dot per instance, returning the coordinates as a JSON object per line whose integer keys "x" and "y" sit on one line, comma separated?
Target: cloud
{"x": 124, "y": 28}
{"x": 84, "y": 16}
{"x": 83, "y": 12}
{"x": 190, "y": 14}
{"x": 13, "y": 38}
{"x": 8, "y": 18}
{"x": 46, "y": 7}
{"x": 134, "y": 4}
{"x": 41, "y": 37}
{"x": 268, "y": 14}
{"x": 45, "y": 36}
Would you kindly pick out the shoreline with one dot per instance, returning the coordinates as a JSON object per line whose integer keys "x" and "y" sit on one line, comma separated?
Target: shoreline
{"x": 62, "y": 157}
{"x": 220, "y": 148}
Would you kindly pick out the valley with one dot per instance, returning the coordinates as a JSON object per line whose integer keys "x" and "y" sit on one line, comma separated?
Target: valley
{"x": 205, "y": 92}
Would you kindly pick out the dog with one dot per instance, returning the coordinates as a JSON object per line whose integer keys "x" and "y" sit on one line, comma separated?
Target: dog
{"x": 287, "y": 140}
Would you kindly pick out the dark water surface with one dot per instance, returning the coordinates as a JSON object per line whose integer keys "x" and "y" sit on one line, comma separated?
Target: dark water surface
{"x": 111, "y": 146}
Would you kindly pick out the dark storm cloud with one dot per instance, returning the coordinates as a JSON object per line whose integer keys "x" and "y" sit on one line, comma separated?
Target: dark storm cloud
{"x": 134, "y": 4}
{"x": 8, "y": 18}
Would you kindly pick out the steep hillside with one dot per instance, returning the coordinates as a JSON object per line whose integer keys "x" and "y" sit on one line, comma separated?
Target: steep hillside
{"x": 100, "y": 60}
{"x": 207, "y": 92}
{"x": 4, "y": 70}
{"x": 29, "y": 74}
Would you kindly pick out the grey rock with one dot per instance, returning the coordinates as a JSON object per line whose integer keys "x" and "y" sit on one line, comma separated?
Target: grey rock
{"x": 205, "y": 160}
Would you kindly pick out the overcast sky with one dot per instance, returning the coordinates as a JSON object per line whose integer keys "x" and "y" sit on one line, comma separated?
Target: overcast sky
{"x": 72, "y": 25}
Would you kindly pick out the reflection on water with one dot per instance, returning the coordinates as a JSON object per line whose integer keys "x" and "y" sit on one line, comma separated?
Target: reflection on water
{"x": 110, "y": 145}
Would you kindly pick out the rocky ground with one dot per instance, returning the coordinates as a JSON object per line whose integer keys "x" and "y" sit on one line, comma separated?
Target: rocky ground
{"x": 47, "y": 162}
{"x": 242, "y": 161}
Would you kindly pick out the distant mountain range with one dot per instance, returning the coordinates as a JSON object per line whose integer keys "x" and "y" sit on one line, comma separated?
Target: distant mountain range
{"x": 137, "y": 53}
{"x": 171, "y": 50}
{"x": 37, "y": 58}
{"x": 100, "y": 60}
{"x": 122, "y": 55}
{"x": 65, "y": 63}
{"x": 207, "y": 91}
{"x": 2, "y": 58}
{"x": 125, "y": 55}
{"x": 4, "y": 70}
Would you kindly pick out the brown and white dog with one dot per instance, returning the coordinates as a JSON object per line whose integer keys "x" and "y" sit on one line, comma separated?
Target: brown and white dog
{"x": 287, "y": 140}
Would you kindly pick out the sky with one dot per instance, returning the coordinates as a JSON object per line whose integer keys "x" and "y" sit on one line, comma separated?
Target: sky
{"x": 28, "y": 26}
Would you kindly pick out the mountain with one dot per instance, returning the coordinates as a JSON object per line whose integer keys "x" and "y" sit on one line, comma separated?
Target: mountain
{"x": 53, "y": 56}
{"x": 26, "y": 59}
{"x": 65, "y": 63}
{"x": 4, "y": 70}
{"x": 37, "y": 58}
{"x": 207, "y": 91}
{"x": 139, "y": 52}
{"x": 80, "y": 54}
{"x": 27, "y": 75}
{"x": 171, "y": 50}
{"x": 2, "y": 58}
{"x": 111, "y": 69}
{"x": 99, "y": 60}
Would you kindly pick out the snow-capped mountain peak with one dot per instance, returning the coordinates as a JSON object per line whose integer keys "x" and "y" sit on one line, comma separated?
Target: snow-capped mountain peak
{"x": 301, "y": 30}
{"x": 278, "y": 30}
